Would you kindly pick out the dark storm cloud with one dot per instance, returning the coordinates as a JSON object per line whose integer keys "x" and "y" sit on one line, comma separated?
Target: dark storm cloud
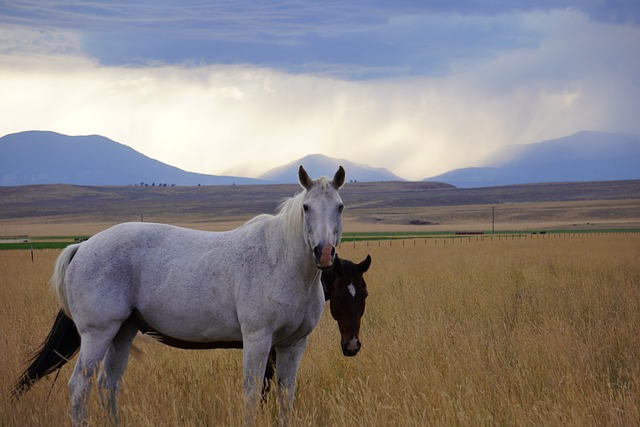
{"x": 351, "y": 39}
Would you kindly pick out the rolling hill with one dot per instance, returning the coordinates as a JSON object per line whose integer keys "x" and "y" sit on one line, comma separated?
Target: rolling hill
{"x": 39, "y": 157}
{"x": 584, "y": 156}
{"x": 317, "y": 165}
{"x": 374, "y": 204}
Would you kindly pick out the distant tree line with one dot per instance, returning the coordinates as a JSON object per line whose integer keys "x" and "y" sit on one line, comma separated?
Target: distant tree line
{"x": 153, "y": 184}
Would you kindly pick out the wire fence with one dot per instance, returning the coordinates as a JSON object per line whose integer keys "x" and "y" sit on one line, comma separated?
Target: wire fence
{"x": 475, "y": 238}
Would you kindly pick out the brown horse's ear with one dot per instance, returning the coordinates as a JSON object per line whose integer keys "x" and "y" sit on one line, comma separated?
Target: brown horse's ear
{"x": 304, "y": 178}
{"x": 337, "y": 264}
{"x": 328, "y": 278}
{"x": 364, "y": 265}
{"x": 338, "y": 178}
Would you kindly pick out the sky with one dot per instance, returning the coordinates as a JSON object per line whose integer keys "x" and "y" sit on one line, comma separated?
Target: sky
{"x": 238, "y": 87}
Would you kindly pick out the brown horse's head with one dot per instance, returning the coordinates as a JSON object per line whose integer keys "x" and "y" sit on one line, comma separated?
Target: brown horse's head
{"x": 346, "y": 291}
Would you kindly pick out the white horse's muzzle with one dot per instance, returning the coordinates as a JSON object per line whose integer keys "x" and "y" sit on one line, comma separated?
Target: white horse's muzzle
{"x": 324, "y": 255}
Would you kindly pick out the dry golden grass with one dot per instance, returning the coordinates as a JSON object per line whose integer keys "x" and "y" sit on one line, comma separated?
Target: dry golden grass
{"x": 519, "y": 332}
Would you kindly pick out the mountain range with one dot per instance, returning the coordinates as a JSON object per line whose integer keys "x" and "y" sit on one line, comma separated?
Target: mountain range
{"x": 583, "y": 156}
{"x": 41, "y": 157}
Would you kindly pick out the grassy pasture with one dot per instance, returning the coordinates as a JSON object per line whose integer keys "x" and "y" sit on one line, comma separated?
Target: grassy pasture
{"x": 522, "y": 332}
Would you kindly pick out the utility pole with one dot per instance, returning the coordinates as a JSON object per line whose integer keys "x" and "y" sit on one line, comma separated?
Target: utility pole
{"x": 493, "y": 219}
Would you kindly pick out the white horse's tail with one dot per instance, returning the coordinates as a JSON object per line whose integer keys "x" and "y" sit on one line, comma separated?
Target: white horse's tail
{"x": 59, "y": 273}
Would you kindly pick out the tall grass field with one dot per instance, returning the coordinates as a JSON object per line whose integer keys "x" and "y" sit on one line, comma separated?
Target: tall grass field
{"x": 518, "y": 332}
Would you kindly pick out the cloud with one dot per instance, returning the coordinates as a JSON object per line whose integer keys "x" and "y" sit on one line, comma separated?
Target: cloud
{"x": 23, "y": 41}
{"x": 358, "y": 39}
{"x": 440, "y": 92}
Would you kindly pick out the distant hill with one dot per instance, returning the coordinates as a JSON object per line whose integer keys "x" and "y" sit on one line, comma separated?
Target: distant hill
{"x": 318, "y": 165}
{"x": 39, "y": 157}
{"x": 584, "y": 156}
{"x": 390, "y": 203}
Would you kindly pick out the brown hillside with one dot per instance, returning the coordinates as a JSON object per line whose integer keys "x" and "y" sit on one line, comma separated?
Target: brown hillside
{"x": 369, "y": 205}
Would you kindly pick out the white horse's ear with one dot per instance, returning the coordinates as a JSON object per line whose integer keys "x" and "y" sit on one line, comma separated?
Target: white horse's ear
{"x": 304, "y": 178}
{"x": 338, "y": 179}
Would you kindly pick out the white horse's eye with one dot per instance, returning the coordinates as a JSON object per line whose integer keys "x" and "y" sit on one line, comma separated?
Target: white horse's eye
{"x": 340, "y": 208}
{"x": 305, "y": 208}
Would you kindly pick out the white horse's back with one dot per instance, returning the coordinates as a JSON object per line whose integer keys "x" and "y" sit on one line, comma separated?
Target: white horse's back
{"x": 187, "y": 284}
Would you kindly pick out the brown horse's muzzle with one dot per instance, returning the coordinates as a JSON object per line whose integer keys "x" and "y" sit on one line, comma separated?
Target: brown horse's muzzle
{"x": 351, "y": 347}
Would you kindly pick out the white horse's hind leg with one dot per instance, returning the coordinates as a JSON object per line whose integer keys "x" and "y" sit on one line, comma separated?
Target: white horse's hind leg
{"x": 94, "y": 345}
{"x": 114, "y": 365}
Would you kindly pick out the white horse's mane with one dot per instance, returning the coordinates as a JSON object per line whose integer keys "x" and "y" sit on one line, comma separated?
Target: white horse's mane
{"x": 290, "y": 210}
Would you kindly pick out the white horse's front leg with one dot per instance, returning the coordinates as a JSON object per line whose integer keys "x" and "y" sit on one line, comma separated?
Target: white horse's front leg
{"x": 254, "y": 361}
{"x": 287, "y": 363}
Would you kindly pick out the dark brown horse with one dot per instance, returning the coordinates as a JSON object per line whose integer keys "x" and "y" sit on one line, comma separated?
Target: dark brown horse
{"x": 346, "y": 291}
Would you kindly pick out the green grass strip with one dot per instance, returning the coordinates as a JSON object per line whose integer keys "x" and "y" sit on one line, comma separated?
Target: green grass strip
{"x": 59, "y": 242}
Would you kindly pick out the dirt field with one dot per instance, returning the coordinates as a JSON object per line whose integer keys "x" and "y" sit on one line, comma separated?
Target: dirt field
{"x": 586, "y": 215}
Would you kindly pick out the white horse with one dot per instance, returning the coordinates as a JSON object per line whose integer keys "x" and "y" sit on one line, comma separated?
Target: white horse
{"x": 257, "y": 286}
